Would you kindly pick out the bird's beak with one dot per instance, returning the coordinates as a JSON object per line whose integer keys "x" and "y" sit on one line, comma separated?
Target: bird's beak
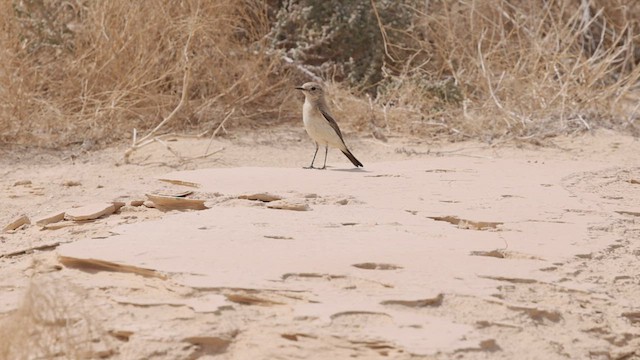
{"x": 299, "y": 88}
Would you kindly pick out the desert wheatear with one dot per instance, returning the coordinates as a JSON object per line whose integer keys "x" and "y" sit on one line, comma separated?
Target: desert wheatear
{"x": 320, "y": 125}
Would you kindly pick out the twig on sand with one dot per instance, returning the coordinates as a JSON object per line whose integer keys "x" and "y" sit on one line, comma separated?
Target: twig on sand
{"x": 157, "y": 139}
{"x": 215, "y": 132}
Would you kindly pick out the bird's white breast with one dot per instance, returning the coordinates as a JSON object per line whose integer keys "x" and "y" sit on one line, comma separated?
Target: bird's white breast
{"x": 318, "y": 127}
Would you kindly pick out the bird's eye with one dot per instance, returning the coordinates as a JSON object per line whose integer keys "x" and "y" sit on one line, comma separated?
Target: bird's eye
{"x": 313, "y": 88}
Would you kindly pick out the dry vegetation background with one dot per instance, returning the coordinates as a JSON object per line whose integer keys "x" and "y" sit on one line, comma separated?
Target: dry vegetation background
{"x": 81, "y": 71}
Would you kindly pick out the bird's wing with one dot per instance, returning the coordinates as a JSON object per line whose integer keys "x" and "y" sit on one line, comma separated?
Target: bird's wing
{"x": 333, "y": 123}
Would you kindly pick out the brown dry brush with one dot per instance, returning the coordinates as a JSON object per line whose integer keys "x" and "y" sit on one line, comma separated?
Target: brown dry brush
{"x": 524, "y": 69}
{"x": 94, "y": 70}
{"x": 78, "y": 71}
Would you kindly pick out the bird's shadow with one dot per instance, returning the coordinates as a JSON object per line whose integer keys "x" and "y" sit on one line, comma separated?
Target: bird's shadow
{"x": 354, "y": 170}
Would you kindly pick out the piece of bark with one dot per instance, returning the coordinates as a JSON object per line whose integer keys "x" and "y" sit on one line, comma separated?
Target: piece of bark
{"x": 50, "y": 218}
{"x": 264, "y": 197}
{"x": 289, "y": 205}
{"x": 90, "y": 212}
{"x": 17, "y": 222}
{"x": 59, "y": 225}
{"x": 166, "y": 203}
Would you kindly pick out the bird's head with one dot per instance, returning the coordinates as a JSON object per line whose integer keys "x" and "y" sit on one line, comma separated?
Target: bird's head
{"x": 312, "y": 90}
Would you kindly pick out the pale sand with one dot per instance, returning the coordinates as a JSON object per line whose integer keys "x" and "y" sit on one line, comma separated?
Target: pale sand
{"x": 436, "y": 252}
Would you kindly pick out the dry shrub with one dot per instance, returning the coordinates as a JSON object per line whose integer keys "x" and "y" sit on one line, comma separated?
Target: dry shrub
{"x": 516, "y": 68}
{"x": 84, "y": 71}
{"x": 53, "y": 322}
{"x": 93, "y": 70}
{"x": 340, "y": 40}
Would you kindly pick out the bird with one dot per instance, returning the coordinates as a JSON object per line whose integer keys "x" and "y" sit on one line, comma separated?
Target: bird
{"x": 320, "y": 124}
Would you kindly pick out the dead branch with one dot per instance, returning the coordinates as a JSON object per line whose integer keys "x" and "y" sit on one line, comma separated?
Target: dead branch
{"x": 383, "y": 32}
{"x": 149, "y": 138}
{"x": 215, "y": 132}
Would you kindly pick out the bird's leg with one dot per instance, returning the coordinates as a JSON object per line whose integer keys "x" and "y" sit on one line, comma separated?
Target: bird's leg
{"x": 314, "y": 159}
{"x": 326, "y": 150}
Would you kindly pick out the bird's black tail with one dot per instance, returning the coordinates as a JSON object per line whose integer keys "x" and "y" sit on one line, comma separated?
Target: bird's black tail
{"x": 352, "y": 158}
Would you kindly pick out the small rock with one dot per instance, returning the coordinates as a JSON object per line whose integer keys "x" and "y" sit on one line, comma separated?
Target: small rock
{"x": 59, "y": 225}
{"x": 289, "y": 205}
{"x": 538, "y": 314}
{"x": 90, "y": 212}
{"x": 122, "y": 335}
{"x": 136, "y": 202}
{"x": 149, "y": 204}
{"x": 16, "y": 223}
{"x": 633, "y": 316}
{"x": 420, "y": 303}
{"x": 22, "y": 182}
{"x": 70, "y": 183}
{"x": 489, "y": 345}
{"x": 166, "y": 203}
{"x": 264, "y": 197}
{"x": 118, "y": 204}
{"x": 53, "y": 217}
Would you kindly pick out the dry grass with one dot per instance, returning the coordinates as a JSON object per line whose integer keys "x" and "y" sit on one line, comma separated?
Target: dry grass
{"x": 92, "y": 71}
{"x": 84, "y": 72}
{"x": 516, "y": 68}
{"x": 53, "y": 322}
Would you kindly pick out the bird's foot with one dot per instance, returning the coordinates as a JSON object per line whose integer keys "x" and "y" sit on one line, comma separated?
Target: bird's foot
{"x": 322, "y": 168}
{"x": 309, "y": 167}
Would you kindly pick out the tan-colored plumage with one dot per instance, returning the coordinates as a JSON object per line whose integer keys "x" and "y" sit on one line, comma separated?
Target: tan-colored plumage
{"x": 320, "y": 124}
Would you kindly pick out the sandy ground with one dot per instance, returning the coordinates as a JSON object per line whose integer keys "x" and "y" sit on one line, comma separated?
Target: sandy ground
{"x": 432, "y": 251}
